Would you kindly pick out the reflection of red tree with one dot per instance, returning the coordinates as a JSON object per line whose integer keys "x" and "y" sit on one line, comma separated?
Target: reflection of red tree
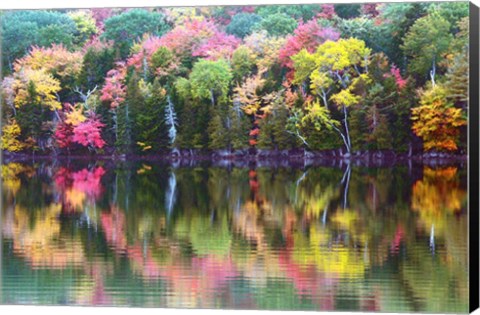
{"x": 397, "y": 240}
{"x": 113, "y": 224}
{"x": 253, "y": 182}
{"x": 75, "y": 187}
{"x": 89, "y": 181}
{"x": 198, "y": 281}
{"x": 371, "y": 303}
{"x": 96, "y": 295}
{"x": 144, "y": 262}
{"x": 309, "y": 282}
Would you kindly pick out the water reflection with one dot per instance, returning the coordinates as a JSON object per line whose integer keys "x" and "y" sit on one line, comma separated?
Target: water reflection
{"x": 145, "y": 234}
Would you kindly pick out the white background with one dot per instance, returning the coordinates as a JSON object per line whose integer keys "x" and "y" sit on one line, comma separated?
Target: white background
{"x": 30, "y": 4}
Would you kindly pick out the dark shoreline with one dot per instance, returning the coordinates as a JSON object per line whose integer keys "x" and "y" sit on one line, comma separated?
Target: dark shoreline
{"x": 259, "y": 157}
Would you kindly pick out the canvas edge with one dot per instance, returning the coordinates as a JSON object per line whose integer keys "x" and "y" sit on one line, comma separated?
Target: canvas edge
{"x": 473, "y": 111}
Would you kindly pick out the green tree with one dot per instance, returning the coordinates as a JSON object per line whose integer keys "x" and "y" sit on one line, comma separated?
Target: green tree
{"x": 218, "y": 133}
{"x": 210, "y": 80}
{"x": 347, "y": 10}
{"x": 24, "y": 28}
{"x": 426, "y": 43}
{"x": 273, "y": 132}
{"x": 278, "y": 24}
{"x": 243, "y": 24}
{"x": 458, "y": 69}
{"x": 124, "y": 29}
{"x": 152, "y": 133}
{"x": 243, "y": 61}
{"x": 453, "y": 11}
{"x": 302, "y": 12}
{"x": 126, "y": 115}
{"x": 97, "y": 61}
{"x": 397, "y": 19}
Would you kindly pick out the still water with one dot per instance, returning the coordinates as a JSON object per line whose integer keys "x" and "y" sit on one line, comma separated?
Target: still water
{"x": 259, "y": 237}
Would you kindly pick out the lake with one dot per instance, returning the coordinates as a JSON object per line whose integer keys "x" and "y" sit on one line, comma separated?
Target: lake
{"x": 154, "y": 234}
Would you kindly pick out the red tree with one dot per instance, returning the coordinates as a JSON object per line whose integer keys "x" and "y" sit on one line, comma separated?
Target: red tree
{"x": 395, "y": 72}
{"x": 307, "y": 36}
{"x": 114, "y": 90}
{"x": 328, "y": 11}
{"x": 88, "y": 133}
{"x": 220, "y": 45}
{"x": 64, "y": 134}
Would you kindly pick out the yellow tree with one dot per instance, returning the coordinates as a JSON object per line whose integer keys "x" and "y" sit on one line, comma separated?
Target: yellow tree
{"x": 10, "y": 133}
{"x": 437, "y": 121}
{"x": 338, "y": 73}
{"x": 44, "y": 92}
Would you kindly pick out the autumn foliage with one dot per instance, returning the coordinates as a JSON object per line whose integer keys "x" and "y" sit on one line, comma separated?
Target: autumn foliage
{"x": 312, "y": 77}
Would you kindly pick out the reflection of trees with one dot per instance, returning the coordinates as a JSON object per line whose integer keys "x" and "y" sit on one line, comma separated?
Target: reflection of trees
{"x": 438, "y": 192}
{"x": 277, "y": 238}
{"x": 437, "y": 286}
{"x": 330, "y": 254}
{"x": 10, "y": 176}
{"x": 40, "y": 242}
{"x": 207, "y": 236}
{"x": 76, "y": 187}
{"x": 438, "y": 198}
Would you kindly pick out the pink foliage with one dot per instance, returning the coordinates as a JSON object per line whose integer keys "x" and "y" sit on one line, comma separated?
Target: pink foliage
{"x": 370, "y": 9}
{"x": 184, "y": 39}
{"x": 88, "y": 133}
{"x": 63, "y": 134}
{"x": 328, "y": 11}
{"x": 307, "y": 36}
{"x": 100, "y": 15}
{"x": 248, "y": 9}
{"x": 149, "y": 47}
{"x": 395, "y": 72}
{"x": 193, "y": 38}
{"x": 96, "y": 44}
{"x": 114, "y": 90}
{"x": 308, "y": 280}
{"x": 220, "y": 45}
{"x": 114, "y": 224}
{"x": 89, "y": 181}
{"x": 397, "y": 240}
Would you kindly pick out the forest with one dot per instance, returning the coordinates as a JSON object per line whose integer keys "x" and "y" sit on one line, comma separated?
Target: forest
{"x": 151, "y": 81}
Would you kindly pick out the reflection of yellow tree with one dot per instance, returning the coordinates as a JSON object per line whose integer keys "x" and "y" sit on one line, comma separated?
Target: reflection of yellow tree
{"x": 437, "y": 196}
{"x": 315, "y": 202}
{"x": 40, "y": 242}
{"x": 328, "y": 255}
{"x": 349, "y": 221}
{"x": 10, "y": 172}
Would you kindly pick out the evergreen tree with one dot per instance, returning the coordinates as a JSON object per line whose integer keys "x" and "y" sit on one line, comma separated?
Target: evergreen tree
{"x": 126, "y": 116}
{"x": 239, "y": 128}
{"x": 151, "y": 129}
{"x": 219, "y": 133}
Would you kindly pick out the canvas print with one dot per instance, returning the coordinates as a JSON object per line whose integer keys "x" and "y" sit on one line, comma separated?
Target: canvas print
{"x": 277, "y": 157}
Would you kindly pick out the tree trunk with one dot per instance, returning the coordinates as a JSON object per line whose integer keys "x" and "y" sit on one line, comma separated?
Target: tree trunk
{"x": 346, "y": 179}
{"x": 212, "y": 98}
{"x": 432, "y": 72}
{"x": 346, "y": 128}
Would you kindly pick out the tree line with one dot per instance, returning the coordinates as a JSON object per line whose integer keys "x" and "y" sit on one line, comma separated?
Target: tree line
{"x": 353, "y": 77}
